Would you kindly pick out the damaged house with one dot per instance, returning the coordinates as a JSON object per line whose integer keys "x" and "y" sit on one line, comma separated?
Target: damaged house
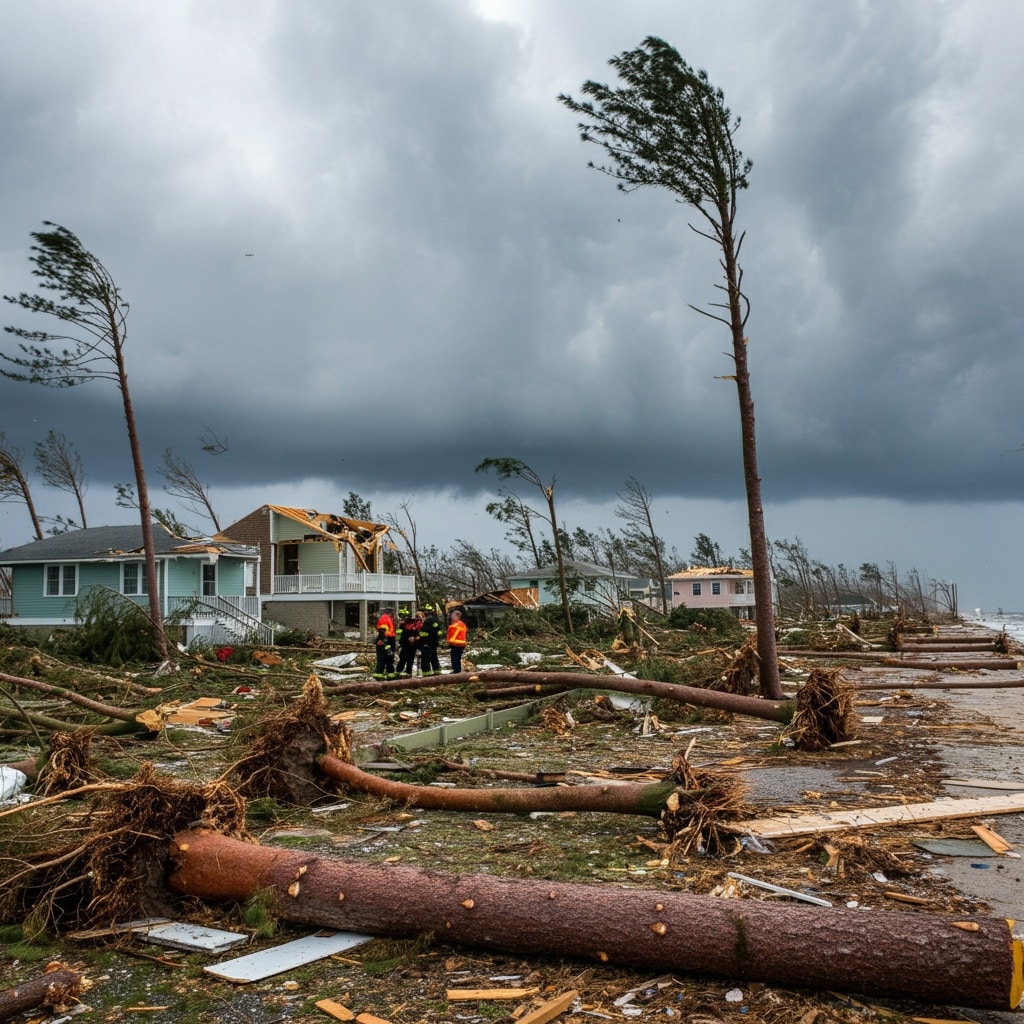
{"x": 319, "y": 571}
{"x": 202, "y": 581}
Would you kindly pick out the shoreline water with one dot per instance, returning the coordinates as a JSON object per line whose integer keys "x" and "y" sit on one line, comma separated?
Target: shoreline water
{"x": 1012, "y": 622}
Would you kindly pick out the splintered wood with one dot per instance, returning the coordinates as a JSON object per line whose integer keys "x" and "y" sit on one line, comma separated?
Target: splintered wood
{"x": 833, "y": 821}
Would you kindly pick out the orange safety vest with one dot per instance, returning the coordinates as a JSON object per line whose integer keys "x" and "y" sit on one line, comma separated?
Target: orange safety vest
{"x": 457, "y": 634}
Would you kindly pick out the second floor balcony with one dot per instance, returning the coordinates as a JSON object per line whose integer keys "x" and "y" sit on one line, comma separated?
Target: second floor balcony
{"x": 344, "y": 585}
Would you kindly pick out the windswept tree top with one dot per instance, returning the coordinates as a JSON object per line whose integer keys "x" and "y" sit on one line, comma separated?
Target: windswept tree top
{"x": 667, "y": 126}
{"x": 87, "y": 299}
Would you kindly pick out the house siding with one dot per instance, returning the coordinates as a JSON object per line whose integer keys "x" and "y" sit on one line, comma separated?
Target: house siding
{"x": 254, "y": 529}
{"x": 740, "y": 604}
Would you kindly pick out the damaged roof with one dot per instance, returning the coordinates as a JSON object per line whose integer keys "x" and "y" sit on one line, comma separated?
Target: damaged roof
{"x": 715, "y": 570}
{"x": 364, "y": 537}
{"x": 119, "y": 542}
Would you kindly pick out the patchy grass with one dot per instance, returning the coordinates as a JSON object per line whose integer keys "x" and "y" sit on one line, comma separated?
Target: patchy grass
{"x": 404, "y": 981}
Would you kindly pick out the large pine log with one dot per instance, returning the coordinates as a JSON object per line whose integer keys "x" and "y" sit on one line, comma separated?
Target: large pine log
{"x": 756, "y": 707}
{"x": 617, "y": 798}
{"x": 936, "y": 958}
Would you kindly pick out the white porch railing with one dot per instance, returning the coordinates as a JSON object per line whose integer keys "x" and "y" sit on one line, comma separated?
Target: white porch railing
{"x": 344, "y": 583}
{"x": 211, "y": 616}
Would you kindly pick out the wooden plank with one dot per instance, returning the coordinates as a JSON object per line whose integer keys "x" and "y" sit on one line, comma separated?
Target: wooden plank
{"x": 1011, "y": 787}
{"x": 865, "y": 817}
{"x": 335, "y": 1010}
{"x": 268, "y": 962}
{"x": 903, "y": 897}
{"x": 551, "y": 1009}
{"x": 991, "y": 839}
{"x": 458, "y": 994}
{"x": 369, "y": 1018}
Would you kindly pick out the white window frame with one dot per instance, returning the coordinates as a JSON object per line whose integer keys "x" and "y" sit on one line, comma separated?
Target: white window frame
{"x": 203, "y": 580}
{"x": 695, "y": 589}
{"x": 716, "y": 588}
{"x": 141, "y": 580}
{"x": 62, "y": 580}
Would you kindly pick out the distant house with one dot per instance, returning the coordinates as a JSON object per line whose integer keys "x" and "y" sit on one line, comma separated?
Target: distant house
{"x": 488, "y": 607}
{"x": 318, "y": 570}
{"x": 203, "y": 580}
{"x": 587, "y": 583}
{"x": 718, "y": 587}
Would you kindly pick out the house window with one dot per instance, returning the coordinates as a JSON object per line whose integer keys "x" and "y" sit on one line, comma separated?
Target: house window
{"x": 716, "y": 588}
{"x": 133, "y": 578}
{"x": 696, "y": 589}
{"x": 589, "y": 584}
{"x": 740, "y": 587}
{"x": 61, "y": 580}
{"x": 534, "y": 583}
{"x": 209, "y": 579}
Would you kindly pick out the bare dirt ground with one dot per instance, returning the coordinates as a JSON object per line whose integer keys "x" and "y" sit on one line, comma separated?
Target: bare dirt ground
{"x": 910, "y": 743}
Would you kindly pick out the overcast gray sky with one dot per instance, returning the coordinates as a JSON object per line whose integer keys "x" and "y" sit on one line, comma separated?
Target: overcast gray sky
{"x": 361, "y": 243}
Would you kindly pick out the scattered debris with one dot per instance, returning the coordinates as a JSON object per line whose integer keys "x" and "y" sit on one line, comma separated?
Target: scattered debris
{"x": 780, "y": 890}
{"x": 278, "y": 959}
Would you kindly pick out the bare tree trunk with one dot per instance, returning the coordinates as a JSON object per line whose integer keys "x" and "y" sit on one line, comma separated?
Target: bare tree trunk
{"x": 616, "y": 798}
{"x": 764, "y": 600}
{"x": 937, "y": 958}
{"x": 145, "y": 510}
{"x": 757, "y": 707}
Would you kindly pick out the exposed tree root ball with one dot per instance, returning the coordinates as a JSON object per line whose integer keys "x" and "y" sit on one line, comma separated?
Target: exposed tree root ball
{"x": 824, "y": 712}
{"x": 694, "y": 825}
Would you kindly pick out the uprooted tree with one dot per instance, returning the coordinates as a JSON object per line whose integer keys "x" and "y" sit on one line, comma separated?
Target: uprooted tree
{"x": 144, "y": 852}
{"x": 669, "y": 127}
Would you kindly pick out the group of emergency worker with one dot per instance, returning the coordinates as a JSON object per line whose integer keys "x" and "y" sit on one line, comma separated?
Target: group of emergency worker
{"x": 417, "y": 632}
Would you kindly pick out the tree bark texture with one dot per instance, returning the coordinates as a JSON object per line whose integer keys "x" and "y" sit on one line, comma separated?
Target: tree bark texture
{"x": 936, "y": 958}
{"x": 616, "y": 798}
{"x": 54, "y": 989}
{"x": 757, "y": 707}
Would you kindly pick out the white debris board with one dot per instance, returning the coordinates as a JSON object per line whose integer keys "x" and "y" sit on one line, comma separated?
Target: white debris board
{"x": 193, "y": 936}
{"x": 268, "y": 962}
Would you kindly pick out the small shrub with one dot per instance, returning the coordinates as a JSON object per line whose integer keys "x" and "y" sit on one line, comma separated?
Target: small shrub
{"x": 112, "y": 630}
{"x": 719, "y": 621}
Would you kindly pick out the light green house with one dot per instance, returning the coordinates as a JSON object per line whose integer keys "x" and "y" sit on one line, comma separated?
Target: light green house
{"x": 202, "y": 580}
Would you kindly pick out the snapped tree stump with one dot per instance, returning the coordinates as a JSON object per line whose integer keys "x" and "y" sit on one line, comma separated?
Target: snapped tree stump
{"x": 937, "y": 958}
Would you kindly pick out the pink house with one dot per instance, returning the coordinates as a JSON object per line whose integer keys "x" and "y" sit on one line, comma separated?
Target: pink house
{"x": 717, "y": 587}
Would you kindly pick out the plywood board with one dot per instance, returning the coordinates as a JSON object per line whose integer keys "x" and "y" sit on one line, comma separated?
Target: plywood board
{"x": 806, "y": 824}
{"x": 178, "y": 935}
{"x": 268, "y": 962}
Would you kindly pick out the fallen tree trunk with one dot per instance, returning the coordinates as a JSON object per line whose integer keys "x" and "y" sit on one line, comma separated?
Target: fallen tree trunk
{"x": 125, "y": 720}
{"x": 647, "y": 799}
{"x": 937, "y": 684}
{"x": 756, "y": 707}
{"x": 936, "y": 958}
{"x": 57, "y": 990}
{"x": 918, "y": 662}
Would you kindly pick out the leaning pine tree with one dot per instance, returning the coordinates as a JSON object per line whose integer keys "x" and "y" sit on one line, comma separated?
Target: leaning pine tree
{"x": 90, "y": 346}
{"x": 668, "y": 126}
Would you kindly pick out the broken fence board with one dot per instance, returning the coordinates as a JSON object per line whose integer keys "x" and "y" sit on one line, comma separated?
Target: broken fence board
{"x": 335, "y": 1010}
{"x": 268, "y": 962}
{"x": 905, "y": 814}
{"x": 550, "y": 1009}
{"x": 462, "y": 994}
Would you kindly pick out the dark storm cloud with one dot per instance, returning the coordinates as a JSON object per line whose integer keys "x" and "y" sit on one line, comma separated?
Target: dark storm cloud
{"x": 434, "y": 268}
